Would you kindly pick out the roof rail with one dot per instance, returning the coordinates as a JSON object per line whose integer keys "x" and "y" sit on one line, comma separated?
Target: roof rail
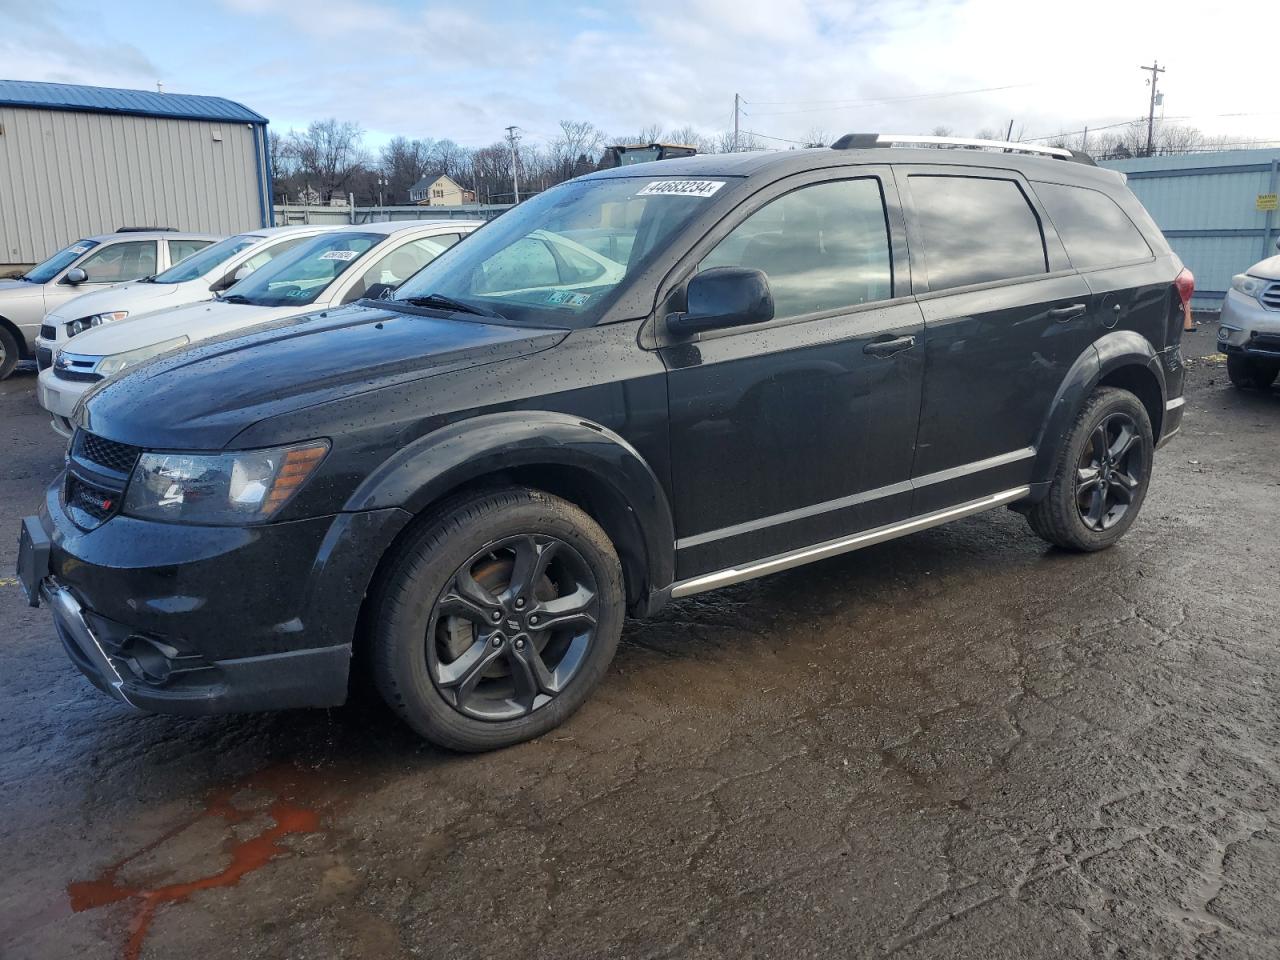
{"x": 866, "y": 141}
{"x": 146, "y": 229}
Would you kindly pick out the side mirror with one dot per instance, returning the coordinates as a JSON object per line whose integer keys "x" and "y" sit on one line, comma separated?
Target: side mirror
{"x": 724, "y": 297}
{"x": 75, "y": 276}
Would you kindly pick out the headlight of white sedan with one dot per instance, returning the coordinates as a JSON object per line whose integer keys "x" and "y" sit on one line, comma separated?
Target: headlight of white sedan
{"x": 113, "y": 364}
{"x": 1249, "y": 286}
{"x": 97, "y": 320}
{"x": 243, "y": 486}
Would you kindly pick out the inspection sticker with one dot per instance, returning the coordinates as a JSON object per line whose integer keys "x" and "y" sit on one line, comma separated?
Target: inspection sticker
{"x": 338, "y": 255}
{"x": 572, "y": 299}
{"x": 79, "y": 249}
{"x": 680, "y": 188}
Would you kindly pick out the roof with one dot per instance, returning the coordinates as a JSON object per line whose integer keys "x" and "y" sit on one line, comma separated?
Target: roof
{"x": 153, "y": 235}
{"x": 429, "y": 178}
{"x": 395, "y": 226}
{"x": 138, "y": 103}
{"x": 772, "y": 163}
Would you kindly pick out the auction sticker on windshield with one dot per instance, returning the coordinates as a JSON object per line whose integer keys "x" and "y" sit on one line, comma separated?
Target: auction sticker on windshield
{"x": 338, "y": 255}
{"x": 680, "y": 188}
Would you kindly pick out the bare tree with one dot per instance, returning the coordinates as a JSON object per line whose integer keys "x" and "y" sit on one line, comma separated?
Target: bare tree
{"x": 689, "y": 136}
{"x": 724, "y": 142}
{"x": 330, "y": 153}
{"x": 817, "y": 137}
{"x": 403, "y": 163}
{"x": 575, "y": 150}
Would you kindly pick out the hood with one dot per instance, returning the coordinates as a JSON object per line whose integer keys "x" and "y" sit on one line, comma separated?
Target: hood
{"x": 196, "y": 321}
{"x": 10, "y": 287}
{"x": 1268, "y": 269}
{"x": 137, "y": 298}
{"x": 201, "y": 397}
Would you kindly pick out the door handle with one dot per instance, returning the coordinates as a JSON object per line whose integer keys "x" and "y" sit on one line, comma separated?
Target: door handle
{"x": 1069, "y": 312}
{"x": 887, "y": 348}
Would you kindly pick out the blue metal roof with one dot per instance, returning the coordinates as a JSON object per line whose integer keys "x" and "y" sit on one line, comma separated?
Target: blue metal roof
{"x": 138, "y": 103}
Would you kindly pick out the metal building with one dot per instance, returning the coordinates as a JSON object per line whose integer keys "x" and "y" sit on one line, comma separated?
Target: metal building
{"x": 1217, "y": 209}
{"x": 77, "y": 161}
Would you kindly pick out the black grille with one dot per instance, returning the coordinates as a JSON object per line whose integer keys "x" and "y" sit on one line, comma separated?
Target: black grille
{"x": 44, "y": 358}
{"x": 98, "y": 503}
{"x": 48, "y": 331}
{"x": 1266, "y": 341}
{"x": 117, "y": 457}
{"x": 79, "y": 376}
{"x": 1271, "y": 296}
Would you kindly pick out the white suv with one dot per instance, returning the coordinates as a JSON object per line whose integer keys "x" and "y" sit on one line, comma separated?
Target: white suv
{"x": 337, "y": 267}
{"x": 199, "y": 277}
{"x": 88, "y": 264}
{"x": 1249, "y": 333}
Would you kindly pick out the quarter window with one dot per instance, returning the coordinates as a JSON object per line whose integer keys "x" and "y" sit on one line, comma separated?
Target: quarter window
{"x": 822, "y": 247}
{"x": 394, "y": 268}
{"x": 1095, "y": 231}
{"x": 976, "y": 229}
{"x": 121, "y": 261}
{"x": 181, "y": 249}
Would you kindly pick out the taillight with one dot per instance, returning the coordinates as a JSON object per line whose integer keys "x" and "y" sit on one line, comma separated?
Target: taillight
{"x": 1185, "y": 282}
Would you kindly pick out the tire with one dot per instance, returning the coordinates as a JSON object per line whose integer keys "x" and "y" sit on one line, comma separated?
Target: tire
{"x": 1248, "y": 374}
{"x": 9, "y": 352}
{"x": 1071, "y": 516}
{"x": 467, "y": 683}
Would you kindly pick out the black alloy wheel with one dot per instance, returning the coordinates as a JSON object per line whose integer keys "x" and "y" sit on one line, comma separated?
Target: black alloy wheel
{"x": 512, "y": 627}
{"x": 1111, "y": 470}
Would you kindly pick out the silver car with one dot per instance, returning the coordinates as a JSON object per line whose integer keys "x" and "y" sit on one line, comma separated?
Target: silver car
{"x": 93, "y": 263}
{"x": 1249, "y": 332}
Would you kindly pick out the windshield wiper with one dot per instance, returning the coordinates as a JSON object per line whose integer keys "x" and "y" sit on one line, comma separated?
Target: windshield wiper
{"x": 150, "y": 279}
{"x": 448, "y": 303}
{"x": 236, "y": 298}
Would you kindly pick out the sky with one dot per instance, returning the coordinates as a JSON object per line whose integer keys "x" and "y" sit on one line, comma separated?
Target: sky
{"x": 465, "y": 70}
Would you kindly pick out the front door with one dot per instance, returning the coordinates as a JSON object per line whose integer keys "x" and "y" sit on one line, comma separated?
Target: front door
{"x": 800, "y": 430}
{"x": 1005, "y": 319}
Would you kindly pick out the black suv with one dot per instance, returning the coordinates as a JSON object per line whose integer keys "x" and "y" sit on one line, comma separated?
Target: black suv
{"x": 644, "y": 383}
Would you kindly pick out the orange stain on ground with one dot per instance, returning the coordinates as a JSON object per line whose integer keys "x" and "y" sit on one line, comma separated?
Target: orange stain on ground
{"x": 287, "y": 816}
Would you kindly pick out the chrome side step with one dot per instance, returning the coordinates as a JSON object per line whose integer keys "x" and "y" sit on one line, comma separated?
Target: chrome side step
{"x": 831, "y": 548}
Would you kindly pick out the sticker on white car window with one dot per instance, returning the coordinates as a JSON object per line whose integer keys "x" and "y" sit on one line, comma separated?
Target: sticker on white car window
{"x": 338, "y": 255}
{"x": 566, "y": 297}
{"x": 79, "y": 250}
{"x": 680, "y": 188}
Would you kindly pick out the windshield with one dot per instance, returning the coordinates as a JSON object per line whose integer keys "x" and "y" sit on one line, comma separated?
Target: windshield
{"x": 46, "y": 271}
{"x": 297, "y": 278}
{"x": 557, "y": 259}
{"x": 206, "y": 260}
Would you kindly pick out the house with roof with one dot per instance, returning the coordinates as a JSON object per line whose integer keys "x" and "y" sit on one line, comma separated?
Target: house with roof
{"x": 440, "y": 190}
{"x": 92, "y": 159}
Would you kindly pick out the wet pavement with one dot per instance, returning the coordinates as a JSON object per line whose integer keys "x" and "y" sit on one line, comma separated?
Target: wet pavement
{"x": 960, "y": 744}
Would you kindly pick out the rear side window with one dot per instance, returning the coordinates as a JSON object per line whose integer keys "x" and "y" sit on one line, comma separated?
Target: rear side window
{"x": 181, "y": 249}
{"x": 1095, "y": 231}
{"x": 976, "y": 229}
{"x": 822, "y": 247}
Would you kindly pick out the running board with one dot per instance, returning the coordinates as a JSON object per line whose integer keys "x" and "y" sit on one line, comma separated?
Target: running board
{"x": 785, "y": 561}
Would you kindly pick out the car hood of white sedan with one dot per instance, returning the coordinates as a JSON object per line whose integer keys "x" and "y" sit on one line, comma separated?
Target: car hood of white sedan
{"x": 195, "y": 321}
{"x": 137, "y": 298}
{"x": 10, "y": 288}
{"x": 1268, "y": 269}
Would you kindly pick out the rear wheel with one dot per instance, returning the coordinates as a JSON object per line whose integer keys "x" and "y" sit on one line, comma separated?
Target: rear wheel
{"x": 1249, "y": 374}
{"x": 8, "y": 352}
{"x": 1102, "y": 474}
{"x": 496, "y": 619}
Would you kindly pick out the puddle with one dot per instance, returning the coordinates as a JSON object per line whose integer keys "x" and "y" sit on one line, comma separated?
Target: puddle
{"x": 288, "y": 809}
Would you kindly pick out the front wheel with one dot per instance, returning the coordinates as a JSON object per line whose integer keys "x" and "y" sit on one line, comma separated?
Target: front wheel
{"x": 1249, "y": 374}
{"x": 1102, "y": 475}
{"x": 494, "y": 621}
{"x": 8, "y": 353}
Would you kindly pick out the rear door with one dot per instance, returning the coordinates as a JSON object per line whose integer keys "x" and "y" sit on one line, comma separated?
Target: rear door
{"x": 800, "y": 430}
{"x": 1006, "y": 316}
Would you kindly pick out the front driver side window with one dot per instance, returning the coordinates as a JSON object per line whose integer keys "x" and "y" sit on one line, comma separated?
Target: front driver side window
{"x": 822, "y": 247}
{"x": 394, "y": 268}
{"x": 120, "y": 262}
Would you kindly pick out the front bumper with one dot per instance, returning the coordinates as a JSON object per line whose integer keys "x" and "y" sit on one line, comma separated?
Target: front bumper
{"x": 58, "y": 396}
{"x": 1248, "y": 328}
{"x": 202, "y": 620}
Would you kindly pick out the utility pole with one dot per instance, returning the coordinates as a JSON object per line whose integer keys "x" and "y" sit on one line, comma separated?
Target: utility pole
{"x": 737, "y": 100}
{"x": 1156, "y": 70}
{"x": 512, "y": 140}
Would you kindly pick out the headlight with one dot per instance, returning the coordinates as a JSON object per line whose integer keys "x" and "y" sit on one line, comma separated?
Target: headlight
{"x": 110, "y": 366}
{"x": 84, "y": 323}
{"x": 246, "y": 486}
{"x": 1249, "y": 286}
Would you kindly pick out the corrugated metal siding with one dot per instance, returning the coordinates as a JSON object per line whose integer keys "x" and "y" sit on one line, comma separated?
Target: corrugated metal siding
{"x": 1206, "y": 204}
{"x": 65, "y": 175}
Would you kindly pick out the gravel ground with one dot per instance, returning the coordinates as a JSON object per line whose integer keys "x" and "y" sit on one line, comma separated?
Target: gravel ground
{"x": 960, "y": 744}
